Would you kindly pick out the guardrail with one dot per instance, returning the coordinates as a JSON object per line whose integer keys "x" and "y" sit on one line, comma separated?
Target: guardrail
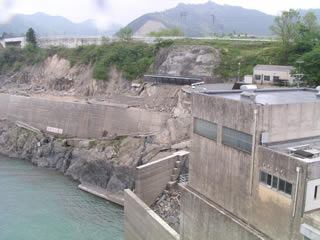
{"x": 184, "y": 178}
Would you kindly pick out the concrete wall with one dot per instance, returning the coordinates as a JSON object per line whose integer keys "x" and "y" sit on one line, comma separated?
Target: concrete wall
{"x": 223, "y": 174}
{"x": 218, "y": 171}
{"x": 81, "y": 120}
{"x": 203, "y": 220}
{"x": 152, "y": 178}
{"x": 272, "y": 211}
{"x": 141, "y": 223}
{"x": 312, "y": 203}
{"x": 290, "y": 121}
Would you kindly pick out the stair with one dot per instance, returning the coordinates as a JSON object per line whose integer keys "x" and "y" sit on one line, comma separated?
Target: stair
{"x": 175, "y": 175}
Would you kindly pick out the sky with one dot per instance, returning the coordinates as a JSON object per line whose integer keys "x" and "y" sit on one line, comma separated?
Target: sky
{"x": 106, "y": 12}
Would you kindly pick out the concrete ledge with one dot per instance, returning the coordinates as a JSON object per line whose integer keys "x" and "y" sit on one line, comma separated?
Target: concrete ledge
{"x": 152, "y": 178}
{"x": 141, "y": 223}
{"x": 309, "y": 232}
{"x": 100, "y": 192}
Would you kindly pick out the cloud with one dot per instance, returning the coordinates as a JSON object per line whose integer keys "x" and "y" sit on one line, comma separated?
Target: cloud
{"x": 5, "y": 6}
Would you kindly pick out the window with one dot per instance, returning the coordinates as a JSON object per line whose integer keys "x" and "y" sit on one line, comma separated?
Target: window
{"x": 237, "y": 139}
{"x": 276, "y": 78}
{"x": 205, "y": 128}
{"x": 266, "y": 78}
{"x": 275, "y": 182}
{"x": 257, "y": 77}
{"x": 316, "y": 193}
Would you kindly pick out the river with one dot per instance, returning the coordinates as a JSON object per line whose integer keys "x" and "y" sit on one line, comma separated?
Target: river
{"x": 42, "y": 204}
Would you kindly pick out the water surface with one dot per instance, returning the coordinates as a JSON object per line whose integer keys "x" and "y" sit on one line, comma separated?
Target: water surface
{"x": 42, "y": 204}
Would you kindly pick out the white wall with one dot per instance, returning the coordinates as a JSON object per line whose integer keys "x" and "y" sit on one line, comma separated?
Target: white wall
{"x": 311, "y": 203}
{"x": 284, "y": 75}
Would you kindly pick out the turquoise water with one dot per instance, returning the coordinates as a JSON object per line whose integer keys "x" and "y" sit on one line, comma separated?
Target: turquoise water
{"x": 42, "y": 204}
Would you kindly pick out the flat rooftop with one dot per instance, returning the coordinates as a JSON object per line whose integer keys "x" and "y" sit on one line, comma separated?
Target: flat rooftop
{"x": 272, "y": 96}
{"x": 278, "y": 68}
{"x": 306, "y": 150}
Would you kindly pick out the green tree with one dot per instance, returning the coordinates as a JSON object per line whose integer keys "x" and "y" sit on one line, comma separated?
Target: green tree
{"x": 310, "y": 21}
{"x": 125, "y": 34}
{"x": 311, "y": 66}
{"x": 31, "y": 37}
{"x": 287, "y": 27}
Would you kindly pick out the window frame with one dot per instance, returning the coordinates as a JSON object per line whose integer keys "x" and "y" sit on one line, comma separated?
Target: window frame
{"x": 271, "y": 185}
{"x": 239, "y": 133}
{"x": 215, "y": 136}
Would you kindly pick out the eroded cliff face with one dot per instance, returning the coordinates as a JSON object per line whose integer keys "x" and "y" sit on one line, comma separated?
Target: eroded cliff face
{"x": 56, "y": 75}
{"x": 188, "y": 61}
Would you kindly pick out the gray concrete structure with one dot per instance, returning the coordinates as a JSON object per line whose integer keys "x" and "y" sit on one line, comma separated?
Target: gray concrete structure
{"x": 152, "y": 178}
{"x": 171, "y": 79}
{"x": 141, "y": 223}
{"x": 238, "y": 165}
{"x": 80, "y": 119}
{"x": 14, "y": 42}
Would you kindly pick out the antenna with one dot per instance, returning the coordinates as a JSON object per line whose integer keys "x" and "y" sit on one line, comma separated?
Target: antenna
{"x": 183, "y": 16}
{"x": 213, "y": 18}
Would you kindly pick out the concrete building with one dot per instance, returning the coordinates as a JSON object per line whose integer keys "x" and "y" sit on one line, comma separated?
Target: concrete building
{"x": 254, "y": 166}
{"x": 13, "y": 42}
{"x": 273, "y": 74}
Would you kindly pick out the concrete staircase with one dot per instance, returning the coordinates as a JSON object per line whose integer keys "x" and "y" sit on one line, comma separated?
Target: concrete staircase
{"x": 175, "y": 175}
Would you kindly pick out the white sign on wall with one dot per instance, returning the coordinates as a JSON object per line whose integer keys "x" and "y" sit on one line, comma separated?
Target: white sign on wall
{"x": 55, "y": 130}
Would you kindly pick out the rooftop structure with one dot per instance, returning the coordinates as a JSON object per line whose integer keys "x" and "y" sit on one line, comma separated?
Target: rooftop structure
{"x": 178, "y": 80}
{"x": 272, "y": 96}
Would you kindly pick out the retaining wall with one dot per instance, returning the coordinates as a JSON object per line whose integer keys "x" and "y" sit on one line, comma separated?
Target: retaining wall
{"x": 80, "y": 119}
{"x": 141, "y": 223}
{"x": 152, "y": 178}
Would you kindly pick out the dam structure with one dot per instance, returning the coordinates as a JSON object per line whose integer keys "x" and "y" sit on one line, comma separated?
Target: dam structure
{"x": 80, "y": 120}
{"x": 253, "y": 170}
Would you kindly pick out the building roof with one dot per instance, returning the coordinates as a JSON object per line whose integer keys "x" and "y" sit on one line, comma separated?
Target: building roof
{"x": 306, "y": 150}
{"x": 272, "y": 96}
{"x": 277, "y": 68}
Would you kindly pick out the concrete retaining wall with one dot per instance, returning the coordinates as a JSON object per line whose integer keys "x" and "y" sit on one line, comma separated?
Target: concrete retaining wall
{"x": 80, "y": 119}
{"x": 201, "y": 219}
{"x": 141, "y": 223}
{"x": 152, "y": 178}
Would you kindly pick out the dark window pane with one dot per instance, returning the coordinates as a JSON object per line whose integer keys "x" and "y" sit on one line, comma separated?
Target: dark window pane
{"x": 288, "y": 188}
{"x": 205, "y": 128}
{"x": 275, "y": 182}
{"x": 269, "y": 179}
{"x": 263, "y": 177}
{"x": 315, "y": 192}
{"x": 282, "y": 184}
{"x": 236, "y": 139}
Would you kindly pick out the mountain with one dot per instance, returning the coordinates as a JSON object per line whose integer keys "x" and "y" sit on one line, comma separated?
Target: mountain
{"x": 205, "y": 19}
{"x": 208, "y": 18}
{"x": 46, "y": 25}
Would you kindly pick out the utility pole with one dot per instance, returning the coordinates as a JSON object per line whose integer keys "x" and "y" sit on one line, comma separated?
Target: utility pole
{"x": 299, "y": 74}
{"x": 239, "y": 63}
{"x": 183, "y": 15}
{"x": 213, "y": 19}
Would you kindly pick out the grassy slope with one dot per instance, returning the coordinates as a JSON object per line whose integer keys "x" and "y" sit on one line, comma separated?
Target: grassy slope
{"x": 134, "y": 59}
{"x": 249, "y": 53}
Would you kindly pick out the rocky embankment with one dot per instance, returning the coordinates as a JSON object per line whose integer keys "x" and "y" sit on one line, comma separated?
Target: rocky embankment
{"x": 108, "y": 163}
{"x": 167, "y": 206}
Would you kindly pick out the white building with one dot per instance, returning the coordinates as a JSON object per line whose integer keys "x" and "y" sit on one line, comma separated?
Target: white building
{"x": 273, "y": 74}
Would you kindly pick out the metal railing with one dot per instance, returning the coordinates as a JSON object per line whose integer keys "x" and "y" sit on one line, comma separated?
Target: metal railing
{"x": 184, "y": 178}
